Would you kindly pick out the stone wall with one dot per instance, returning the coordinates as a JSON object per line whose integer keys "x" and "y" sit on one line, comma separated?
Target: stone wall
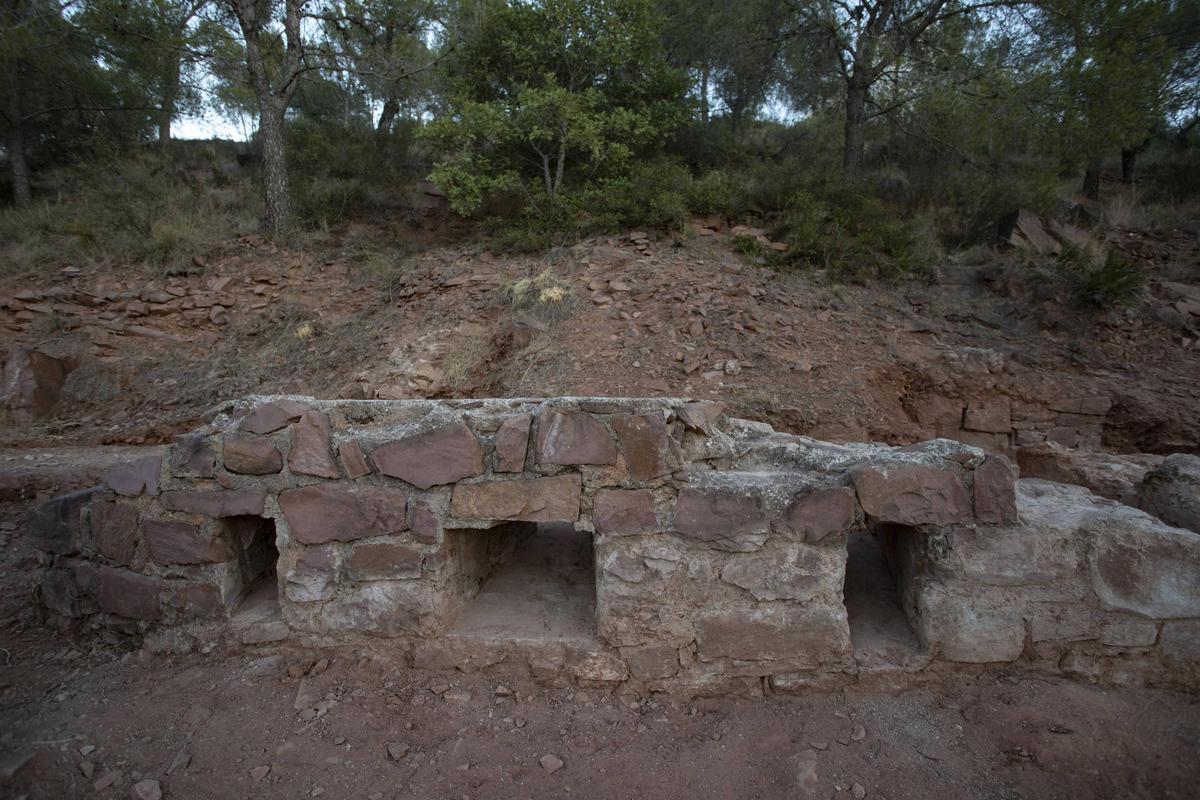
{"x": 720, "y": 544}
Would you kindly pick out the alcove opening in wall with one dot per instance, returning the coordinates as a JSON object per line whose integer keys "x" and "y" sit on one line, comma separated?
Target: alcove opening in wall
{"x": 541, "y": 585}
{"x": 879, "y": 629}
{"x": 256, "y": 558}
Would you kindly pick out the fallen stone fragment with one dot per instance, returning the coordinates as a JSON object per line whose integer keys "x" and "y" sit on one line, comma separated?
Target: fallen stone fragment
{"x": 146, "y": 790}
{"x": 106, "y": 780}
{"x": 258, "y": 773}
{"x": 397, "y": 750}
{"x": 32, "y": 383}
{"x": 551, "y": 763}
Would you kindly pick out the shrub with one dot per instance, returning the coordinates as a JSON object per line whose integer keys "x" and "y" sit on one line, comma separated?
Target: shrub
{"x": 325, "y": 201}
{"x": 1113, "y": 282}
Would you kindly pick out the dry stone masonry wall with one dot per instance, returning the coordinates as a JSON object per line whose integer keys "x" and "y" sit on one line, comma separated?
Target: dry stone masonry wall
{"x": 720, "y": 545}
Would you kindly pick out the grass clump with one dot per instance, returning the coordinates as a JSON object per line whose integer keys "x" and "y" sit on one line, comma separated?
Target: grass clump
{"x": 1101, "y": 283}
{"x": 542, "y": 297}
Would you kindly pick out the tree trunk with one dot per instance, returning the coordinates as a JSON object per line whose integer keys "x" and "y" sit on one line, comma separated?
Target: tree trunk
{"x": 1128, "y": 162}
{"x": 391, "y": 107}
{"x": 1091, "y": 181}
{"x": 704, "y": 93}
{"x": 853, "y": 155}
{"x": 18, "y": 165}
{"x": 166, "y": 110}
{"x": 275, "y": 176}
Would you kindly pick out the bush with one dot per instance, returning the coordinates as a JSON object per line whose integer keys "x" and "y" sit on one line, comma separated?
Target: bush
{"x": 325, "y": 201}
{"x": 1113, "y": 282}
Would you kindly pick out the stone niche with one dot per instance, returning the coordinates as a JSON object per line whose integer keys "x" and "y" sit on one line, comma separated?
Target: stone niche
{"x": 659, "y": 542}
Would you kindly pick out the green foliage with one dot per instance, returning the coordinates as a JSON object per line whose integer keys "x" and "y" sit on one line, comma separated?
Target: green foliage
{"x": 552, "y": 98}
{"x": 132, "y": 211}
{"x": 1114, "y": 281}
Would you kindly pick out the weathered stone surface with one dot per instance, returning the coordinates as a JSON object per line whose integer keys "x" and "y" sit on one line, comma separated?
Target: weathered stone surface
{"x": 229, "y": 503}
{"x": 624, "y": 511}
{"x": 1129, "y": 633}
{"x": 816, "y": 514}
{"x": 1171, "y": 491}
{"x": 386, "y": 608}
{"x": 912, "y": 494}
{"x": 33, "y": 383}
{"x": 353, "y": 460}
{"x": 573, "y": 438}
{"x": 721, "y": 519}
{"x": 70, "y": 592}
{"x": 252, "y": 455}
{"x": 135, "y": 476}
{"x": 1015, "y": 557}
{"x": 553, "y": 499}
{"x": 1147, "y": 568}
{"x": 115, "y": 528}
{"x": 383, "y": 561}
{"x": 944, "y": 415}
{"x": 701, "y": 416}
{"x": 1180, "y": 643}
{"x": 128, "y": 594}
{"x": 512, "y": 443}
{"x": 424, "y": 524}
{"x": 653, "y": 662}
{"x": 313, "y": 577}
{"x": 339, "y": 513}
{"x": 1107, "y": 474}
{"x": 970, "y": 629}
{"x": 443, "y": 455}
{"x": 646, "y": 444}
{"x": 57, "y": 526}
{"x": 993, "y": 415}
{"x": 270, "y": 417}
{"x": 811, "y": 636}
{"x": 191, "y": 456}
{"x": 995, "y": 491}
{"x": 194, "y": 601}
{"x": 172, "y": 542}
{"x": 310, "y": 453}
{"x": 797, "y": 576}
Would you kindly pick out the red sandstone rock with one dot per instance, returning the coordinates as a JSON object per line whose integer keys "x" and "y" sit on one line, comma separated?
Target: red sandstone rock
{"x": 310, "y": 453}
{"x": 646, "y": 443}
{"x": 192, "y": 457}
{"x": 424, "y": 524}
{"x": 231, "y": 503}
{"x": 512, "y": 442}
{"x": 195, "y": 601}
{"x": 443, "y": 455}
{"x": 135, "y": 476}
{"x": 996, "y": 491}
{"x": 816, "y": 514}
{"x": 624, "y": 511}
{"x": 128, "y": 594}
{"x": 251, "y": 455}
{"x": 314, "y": 576}
{"x": 912, "y": 494}
{"x": 270, "y": 417}
{"x": 33, "y": 383}
{"x": 353, "y": 460}
{"x": 720, "y": 518}
{"x": 701, "y": 416}
{"x": 553, "y": 499}
{"x": 173, "y": 542}
{"x": 115, "y": 527}
{"x": 339, "y": 513}
{"x": 383, "y": 561}
{"x": 573, "y": 438}
{"x": 57, "y": 526}
{"x": 992, "y": 416}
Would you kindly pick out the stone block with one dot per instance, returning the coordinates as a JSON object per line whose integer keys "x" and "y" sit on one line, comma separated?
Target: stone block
{"x": 554, "y": 499}
{"x": 436, "y": 457}
{"x": 647, "y": 445}
{"x": 353, "y": 461}
{"x": 811, "y": 636}
{"x": 1129, "y": 633}
{"x": 1153, "y": 571}
{"x": 340, "y": 513}
{"x": 33, "y": 382}
{"x": 617, "y": 512}
{"x": 424, "y": 524}
{"x": 191, "y": 456}
{"x": 172, "y": 542}
{"x": 1180, "y": 644}
{"x": 512, "y": 443}
{"x": 311, "y": 452}
{"x": 1171, "y": 491}
{"x": 797, "y": 575}
{"x": 115, "y": 529}
{"x": 226, "y": 503}
{"x": 970, "y": 628}
{"x": 817, "y": 514}
{"x": 313, "y": 577}
{"x": 573, "y": 438}
{"x": 383, "y": 561}
{"x": 252, "y": 455}
{"x": 654, "y": 662}
{"x": 194, "y": 600}
{"x": 912, "y": 494}
{"x": 135, "y": 476}
{"x": 993, "y": 415}
{"x": 721, "y": 519}
{"x": 70, "y": 592}
{"x": 995, "y": 491}
{"x": 701, "y": 416}
{"x": 273, "y": 416}
{"x": 128, "y": 594}
{"x": 386, "y": 608}
{"x": 58, "y": 525}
